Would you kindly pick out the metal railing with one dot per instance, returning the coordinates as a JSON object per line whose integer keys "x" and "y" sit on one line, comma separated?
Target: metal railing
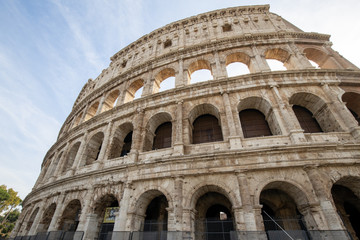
{"x": 54, "y": 235}
{"x": 231, "y": 235}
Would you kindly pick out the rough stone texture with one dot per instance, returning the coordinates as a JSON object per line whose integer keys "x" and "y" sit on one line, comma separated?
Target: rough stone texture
{"x": 83, "y": 167}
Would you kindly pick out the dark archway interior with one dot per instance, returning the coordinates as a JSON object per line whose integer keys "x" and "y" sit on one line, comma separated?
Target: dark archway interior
{"x": 70, "y": 217}
{"x": 108, "y": 201}
{"x": 127, "y": 144}
{"x": 307, "y": 122}
{"x": 206, "y": 128}
{"x": 156, "y": 215}
{"x": 46, "y": 219}
{"x": 254, "y": 124}
{"x": 162, "y": 137}
{"x": 356, "y": 116}
{"x": 348, "y": 207}
{"x": 280, "y": 211}
{"x": 214, "y": 219}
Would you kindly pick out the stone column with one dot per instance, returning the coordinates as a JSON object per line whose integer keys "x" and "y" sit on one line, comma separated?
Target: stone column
{"x": 55, "y": 219}
{"x": 62, "y": 161}
{"x": 179, "y": 142}
{"x": 189, "y": 221}
{"x": 122, "y": 215}
{"x": 249, "y": 215}
{"x": 84, "y": 114}
{"x": 301, "y": 60}
{"x": 91, "y": 226}
{"x": 86, "y": 210}
{"x": 105, "y": 144}
{"x": 178, "y": 207}
{"x": 37, "y": 220}
{"x": 122, "y": 92}
{"x": 260, "y": 62}
{"x": 332, "y": 219}
{"x": 220, "y": 68}
{"x": 80, "y": 153}
{"x": 101, "y": 103}
{"x": 137, "y": 137}
{"x": 180, "y": 76}
{"x": 273, "y": 117}
{"x": 337, "y": 109}
{"x": 149, "y": 84}
{"x": 342, "y": 113}
{"x": 288, "y": 118}
{"x": 234, "y": 136}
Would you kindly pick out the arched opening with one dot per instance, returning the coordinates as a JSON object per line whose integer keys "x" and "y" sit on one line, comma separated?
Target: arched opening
{"x": 31, "y": 219}
{"x": 93, "y": 148}
{"x": 206, "y": 128}
{"x": 166, "y": 84}
{"x": 254, "y": 124}
{"x": 91, "y": 111}
{"x": 237, "y": 64}
{"x": 164, "y": 80}
{"x": 314, "y": 64}
{"x": 46, "y": 218}
{"x": 110, "y": 100}
{"x": 105, "y": 210}
{"x": 347, "y": 204}
{"x": 162, "y": 138}
{"x": 77, "y": 120}
{"x": 276, "y": 65}
{"x": 321, "y": 59}
{"x": 277, "y": 59}
{"x": 70, "y": 216}
{"x": 258, "y": 111}
{"x": 307, "y": 122}
{"x": 54, "y": 165}
{"x": 134, "y": 91}
{"x": 159, "y": 132}
{"x": 281, "y": 216}
{"x": 45, "y": 168}
{"x": 156, "y": 215}
{"x": 205, "y": 125}
{"x": 237, "y": 69}
{"x": 122, "y": 141}
{"x": 151, "y": 218}
{"x": 200, "y": 71}
{"x": 319, "y": 109}
{"x": 352, "y": 101}
{"x": 214, "y": 217}
{"x": 71, "y": 157}
{"x": 126, "y": 148}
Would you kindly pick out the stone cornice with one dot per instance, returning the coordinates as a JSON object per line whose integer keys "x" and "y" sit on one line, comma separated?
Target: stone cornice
{"x": 242, "y": 153}
{"x": 201, "y": 18}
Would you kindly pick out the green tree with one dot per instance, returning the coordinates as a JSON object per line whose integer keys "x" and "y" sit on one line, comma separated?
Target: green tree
{"x": 9, "y": 201}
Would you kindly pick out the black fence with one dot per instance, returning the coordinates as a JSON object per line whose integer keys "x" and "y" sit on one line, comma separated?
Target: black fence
{"x": 55, "y": 235}
{"x": 169, "y": 235}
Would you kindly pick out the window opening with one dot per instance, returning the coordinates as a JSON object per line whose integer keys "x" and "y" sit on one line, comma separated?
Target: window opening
{"x": 162, "y": 137}
{"x": 236, "y": 69}
{"x": 127, "y": 144}
{"x": 201, "y": 75}
{"x": 254, "y": 124}
{"x": 206, "y": 128}
{"x": 307, "y": 122}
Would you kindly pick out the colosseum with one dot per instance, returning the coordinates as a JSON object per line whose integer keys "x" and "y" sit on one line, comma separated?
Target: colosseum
{"x": 262, "y": 153}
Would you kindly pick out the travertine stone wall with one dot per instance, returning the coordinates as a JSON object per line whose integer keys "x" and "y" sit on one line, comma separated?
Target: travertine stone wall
{"x": 303, "y": 165}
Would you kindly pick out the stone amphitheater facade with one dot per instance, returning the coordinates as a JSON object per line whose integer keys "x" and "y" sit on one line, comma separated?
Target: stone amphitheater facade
{"x": 248, "y": 150}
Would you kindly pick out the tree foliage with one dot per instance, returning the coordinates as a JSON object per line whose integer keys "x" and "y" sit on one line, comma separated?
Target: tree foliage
{"x": 9, "y": 201}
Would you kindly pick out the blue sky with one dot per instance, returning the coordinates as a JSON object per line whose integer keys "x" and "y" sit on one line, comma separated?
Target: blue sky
{"x": 49, "y": 49}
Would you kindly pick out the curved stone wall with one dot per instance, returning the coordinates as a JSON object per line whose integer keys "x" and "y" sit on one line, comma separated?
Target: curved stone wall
{"x": 108, "y": 154}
